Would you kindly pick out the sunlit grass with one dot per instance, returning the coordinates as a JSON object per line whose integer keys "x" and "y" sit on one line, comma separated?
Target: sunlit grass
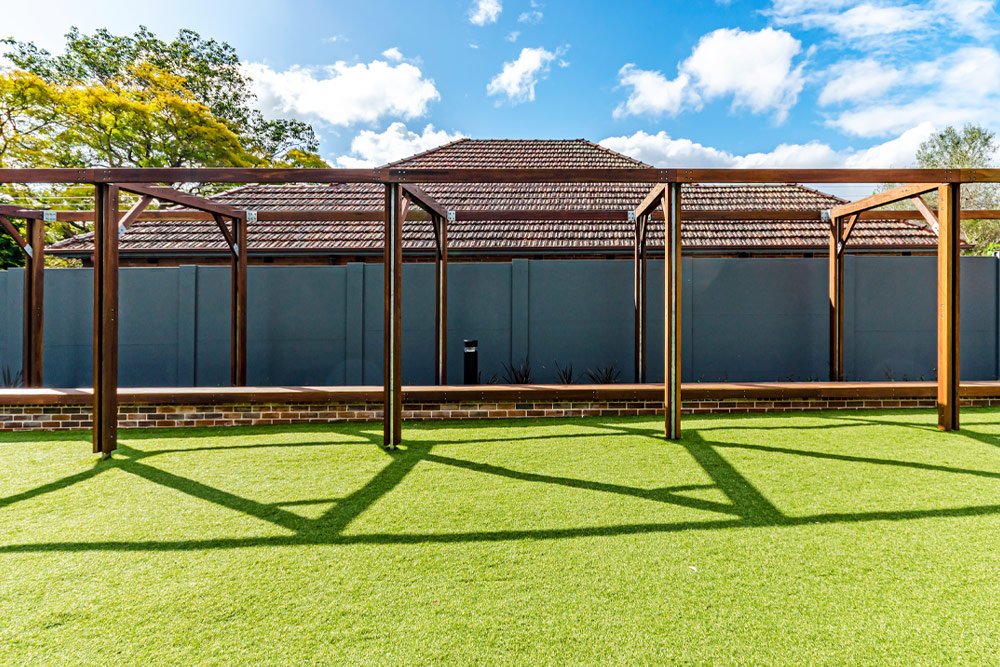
{"x": 854, "y": 537}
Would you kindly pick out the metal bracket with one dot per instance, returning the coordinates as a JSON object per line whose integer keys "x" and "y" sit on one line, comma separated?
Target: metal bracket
{"x": 28, "y": 251}
{"x": 251, "y": 216}
{"x": 236, "y": 248}
{"x": 48, "y": 216}
{"x": 451, "y": 216}
{"x": 631, "y": 216}
{"x": 825, "y": 216}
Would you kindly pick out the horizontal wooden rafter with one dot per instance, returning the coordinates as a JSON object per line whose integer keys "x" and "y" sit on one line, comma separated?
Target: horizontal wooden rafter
{"x": 509, "y": 175}
{"x": 883, "y": 198}
{"x": 608, "y": 215}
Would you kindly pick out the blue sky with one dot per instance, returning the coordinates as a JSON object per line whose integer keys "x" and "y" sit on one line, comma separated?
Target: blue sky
{"x": 698, "y": 83}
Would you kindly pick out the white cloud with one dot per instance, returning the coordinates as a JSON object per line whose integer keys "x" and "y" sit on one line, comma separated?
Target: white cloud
{"x": 533, "y": 15}
{"x": 483, "y": 12}
{"x": 662, "y": 150}
{"x": 513, "y": 35}
{"x": 756, "y": 68}
{"x": 654, "y": 94}
{"x": 372, "y": 149}
{"x": 858, "y": 21}
{"x": 859, "y": 80}
{"x": 342, "y": 93}
{"x": 518, "y": 78}
{"x": 393, "y": 53}
{"x": 961, "y": 87}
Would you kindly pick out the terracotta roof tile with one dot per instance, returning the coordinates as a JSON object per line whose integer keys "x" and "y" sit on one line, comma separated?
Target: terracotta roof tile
{"x": 303, "y": 236}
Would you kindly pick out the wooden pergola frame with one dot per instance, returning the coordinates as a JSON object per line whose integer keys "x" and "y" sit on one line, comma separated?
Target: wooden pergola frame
{"x": 401, "y": 192}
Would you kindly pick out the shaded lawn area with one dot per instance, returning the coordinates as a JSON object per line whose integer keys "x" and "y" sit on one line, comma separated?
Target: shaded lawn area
{"x": 854, "y": 537}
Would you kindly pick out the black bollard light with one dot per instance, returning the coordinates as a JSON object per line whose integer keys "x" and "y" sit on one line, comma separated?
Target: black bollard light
{"x": 472, "y": 362}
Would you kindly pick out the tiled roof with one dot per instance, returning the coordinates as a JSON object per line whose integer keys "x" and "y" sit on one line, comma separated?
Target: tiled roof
{"x": 302, "y": 237}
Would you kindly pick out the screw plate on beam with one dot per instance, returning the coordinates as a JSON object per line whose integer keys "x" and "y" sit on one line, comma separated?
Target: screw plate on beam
{"x": 48, "y": 216}
{"x": 251, "y": 216}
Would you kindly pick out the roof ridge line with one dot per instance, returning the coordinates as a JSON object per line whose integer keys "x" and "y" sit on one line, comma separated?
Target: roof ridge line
{"x": 395, "y": 163}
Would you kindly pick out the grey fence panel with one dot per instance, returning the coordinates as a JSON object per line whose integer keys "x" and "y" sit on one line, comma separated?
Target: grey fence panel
{"x": 758, "y": 319}
{"x": 212, "y": 331}
{"x": 296, "y": 330}
{"x": 69, "y": 328}
{"x": 979, "y": 299}
{"x": 744, "y": 319}
{"x": 480, "y": 308}
{"x": 148, "y": 327}
{"x": 580, "y": 313}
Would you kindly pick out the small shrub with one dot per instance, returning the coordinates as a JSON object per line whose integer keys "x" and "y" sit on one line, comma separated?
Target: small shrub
{"x": 11, "y": 380}
{"x": 609, "y": 374}
{"x": 566, "y": 375}
{"x": 493, "y": 379}
{"x": 519, "y": 373}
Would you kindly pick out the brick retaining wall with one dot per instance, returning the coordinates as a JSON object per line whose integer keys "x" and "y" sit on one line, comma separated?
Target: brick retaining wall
{"x": 65, "y": 417}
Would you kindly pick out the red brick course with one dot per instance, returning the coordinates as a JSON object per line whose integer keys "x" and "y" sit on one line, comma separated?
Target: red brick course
{"x": 55, "y": 417}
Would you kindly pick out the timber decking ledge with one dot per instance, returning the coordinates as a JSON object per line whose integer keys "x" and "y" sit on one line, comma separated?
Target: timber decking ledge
{"x": 700, "y": 391}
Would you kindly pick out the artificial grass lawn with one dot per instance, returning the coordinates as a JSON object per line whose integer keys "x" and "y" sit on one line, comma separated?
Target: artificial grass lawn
{"x": 819, "y": 538}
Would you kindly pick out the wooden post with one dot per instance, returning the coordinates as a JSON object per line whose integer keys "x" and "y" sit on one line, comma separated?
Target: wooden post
{"x": 34, "y": 309}
{"x": 238, "y": 309}
{"x": 639, "y": 296}
{"x": 949, "y": 253}
{"x": 105, "y": 417}
{"x": 441, "y": 302}
{"x": 392, "y": 385}
{"x": 836, "y": 292}
{"x": 672, "y": 315}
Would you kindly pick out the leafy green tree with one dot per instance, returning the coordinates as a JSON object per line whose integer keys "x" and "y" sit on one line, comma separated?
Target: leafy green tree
{"x": 972, "y": 147}
{"x": 132, "y": 101}
{"x": 210, "y": 70}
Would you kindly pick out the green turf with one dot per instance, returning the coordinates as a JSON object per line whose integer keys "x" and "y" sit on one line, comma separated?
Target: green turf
{"x": 821, "y": 538}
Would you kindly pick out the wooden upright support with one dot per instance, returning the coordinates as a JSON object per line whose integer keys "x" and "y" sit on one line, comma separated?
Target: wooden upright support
{"x": 672, "y": 315}
{"x": 34, "y": 308}
{"x": 392, "y": 414}
{"x": 949, "y": 251}
{"x": 639, "y": 295}
{"x": 238, "y": 308}
{"x": 105, "y": 346}
{"x": 836, "y": 291}
{"x": 441, "y": 300}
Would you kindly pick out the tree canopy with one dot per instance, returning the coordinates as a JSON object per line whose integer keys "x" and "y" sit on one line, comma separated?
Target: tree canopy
{"x": 134, "y": 101}
{"x": 971, "y": 147}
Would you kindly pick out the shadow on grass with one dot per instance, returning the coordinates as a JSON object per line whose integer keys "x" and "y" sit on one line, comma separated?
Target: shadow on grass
{"x": 746, "y": 507}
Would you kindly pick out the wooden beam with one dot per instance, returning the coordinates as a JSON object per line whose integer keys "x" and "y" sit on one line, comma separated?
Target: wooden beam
{"x": 425, "y": 201}
{"x": 836, "y": 300}
{"x": 181, "y": 198}
{"x": 441, "y": 301}
{"x": 639, "y": 256}
{"x": 238, "y": 305}
{"x": 510, "y": 175}
{"x": 846, "y": 228}
{"x": 392, "y": 410}
{"x": 34, "y": 305}
{"x": 477, "y": 215}
{"x": 133, "y": 213}
{"x": 948, "y": 302}
{"x": 11, "y": 230}
{"x": 105, "y": 346}
{"x": 220, "y": 222}
{"x": 883, "y": 198}
{"x": 650, "y": 201}
{"x": 672, "y": 316}
{"x": 928, "y": 214}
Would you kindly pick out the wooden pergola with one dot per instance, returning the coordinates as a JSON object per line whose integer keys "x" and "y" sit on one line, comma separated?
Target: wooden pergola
{"x": 403, "y": 193}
